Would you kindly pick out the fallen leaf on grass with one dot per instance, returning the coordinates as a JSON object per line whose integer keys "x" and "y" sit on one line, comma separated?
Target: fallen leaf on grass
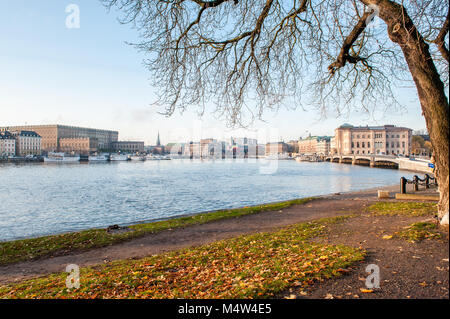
{"x": 423, "y": 284}
{"x": 329, "y": 296}
{"x": 366, "y": 291}
{"x": 303, "y": 293}
{"x": 387, "y": 237}
{"x": 343, "y": 270}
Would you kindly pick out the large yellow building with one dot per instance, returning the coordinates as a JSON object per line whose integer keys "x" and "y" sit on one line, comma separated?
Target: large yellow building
{"x": 384, "y": 140}
{"x": 53, "y": 134}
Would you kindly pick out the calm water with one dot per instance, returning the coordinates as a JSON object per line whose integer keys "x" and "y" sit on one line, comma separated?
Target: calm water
{"x": 42, "y": 199}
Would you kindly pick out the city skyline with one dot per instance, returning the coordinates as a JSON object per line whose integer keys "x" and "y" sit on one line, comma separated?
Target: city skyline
{"x": 89, "y": 77}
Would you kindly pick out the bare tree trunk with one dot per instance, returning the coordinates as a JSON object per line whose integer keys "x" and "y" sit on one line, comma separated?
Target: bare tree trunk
{"x": 434, "y": 103}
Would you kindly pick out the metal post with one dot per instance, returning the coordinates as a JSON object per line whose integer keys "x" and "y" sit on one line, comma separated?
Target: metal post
{"x": 427, "y": 181}
{"x": 416, "y": 182}
{"x": 402, "y": 185}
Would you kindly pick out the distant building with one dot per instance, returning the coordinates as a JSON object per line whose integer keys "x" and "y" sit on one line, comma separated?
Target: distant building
{"x": 387, "y": 139}
{"x": 276, "y": 148}
{"x": 261, "y": 149}
{"x": 156, "y": 149}
{"x": 175, "y": 148}
{"x": 333, "y": 149}
{"x": 52, "y": 135}
{"x": 128, "y": 146}
{"x": 192, "y": 150}
{"x": 292, "y": 146}
{"x": 27, "y": 143}
{"x": 319, "y": 145}
{"x": 210, "y": 147}
{"x": 78, "y": 145}
{"x": 7, "y": 144}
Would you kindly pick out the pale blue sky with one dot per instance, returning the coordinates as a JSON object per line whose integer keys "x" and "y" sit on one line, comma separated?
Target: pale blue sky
{"x": 90, "y": 77}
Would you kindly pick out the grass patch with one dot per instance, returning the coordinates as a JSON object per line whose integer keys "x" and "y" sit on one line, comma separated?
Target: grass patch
{"x": 403, "y": 208}
{"x": 28, "y": 249}
{"x": 250, "y": 266}
{"x": 419, "y": 231}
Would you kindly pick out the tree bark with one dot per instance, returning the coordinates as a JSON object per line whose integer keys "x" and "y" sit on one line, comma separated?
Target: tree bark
{"x": 430, "y": 88}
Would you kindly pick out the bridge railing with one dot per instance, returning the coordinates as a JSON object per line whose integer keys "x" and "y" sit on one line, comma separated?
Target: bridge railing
{"x": 428, "y": 181}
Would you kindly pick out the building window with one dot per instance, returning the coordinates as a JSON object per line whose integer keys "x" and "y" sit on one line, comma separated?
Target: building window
{"x": 368, "y": 144}
{"x": 363, "y": 144}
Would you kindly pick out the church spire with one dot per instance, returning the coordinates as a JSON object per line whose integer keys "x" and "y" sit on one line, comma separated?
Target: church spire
{"x": 158, "y": 141}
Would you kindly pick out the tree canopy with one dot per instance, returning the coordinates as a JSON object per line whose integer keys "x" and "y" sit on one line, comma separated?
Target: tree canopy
{"x": 244, "y": 56}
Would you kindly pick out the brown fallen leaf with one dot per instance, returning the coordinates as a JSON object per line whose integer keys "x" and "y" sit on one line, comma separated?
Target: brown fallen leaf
{"x": 343, "y": 270}
{"x": 366, "y": 291}
{"x": 303, "y": 293}
{"x": 329, "y": 296}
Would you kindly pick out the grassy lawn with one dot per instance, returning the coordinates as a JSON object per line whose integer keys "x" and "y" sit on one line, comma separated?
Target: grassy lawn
{"x": 250, "y": 266}
{"x": 419, "y": 231}
{"x": 403, "y": 208}
{"x": 28, "y": 249}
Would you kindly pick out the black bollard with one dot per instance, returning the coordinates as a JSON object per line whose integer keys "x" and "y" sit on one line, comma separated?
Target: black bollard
{"x": 402, "y": 185}
{"x": 416, "y": 182}
{"x": 427, "y": 181}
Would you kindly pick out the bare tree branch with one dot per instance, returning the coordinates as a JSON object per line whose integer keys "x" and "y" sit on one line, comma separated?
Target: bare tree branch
{"x": 440, "y": 40}
{"x": 344, "y": 55}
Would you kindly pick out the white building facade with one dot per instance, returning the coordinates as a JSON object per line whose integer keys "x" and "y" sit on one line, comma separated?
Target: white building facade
{"x": 382, "y": 140}
{"x": 28, "y": 143}
{"x": 7, "y": 144}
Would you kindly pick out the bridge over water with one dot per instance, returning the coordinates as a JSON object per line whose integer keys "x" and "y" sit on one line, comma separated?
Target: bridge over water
{"x": 373, "y": 160}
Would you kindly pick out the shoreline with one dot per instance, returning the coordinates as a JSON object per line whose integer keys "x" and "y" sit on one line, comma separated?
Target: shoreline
{"x": 188, "y": 215}
{"x": 356, "y": 205}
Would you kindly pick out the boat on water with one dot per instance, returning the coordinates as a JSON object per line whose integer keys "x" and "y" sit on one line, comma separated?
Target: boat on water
{"x": 152, "y": 157}
{"x": 119, "y": 157}
{"x": 308, "y": 158}
{"x": 61, "y": 158}
{"x": 99, "y": 158}
{"x": 138, "y": 158}
{"x": 282, "y": 156}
